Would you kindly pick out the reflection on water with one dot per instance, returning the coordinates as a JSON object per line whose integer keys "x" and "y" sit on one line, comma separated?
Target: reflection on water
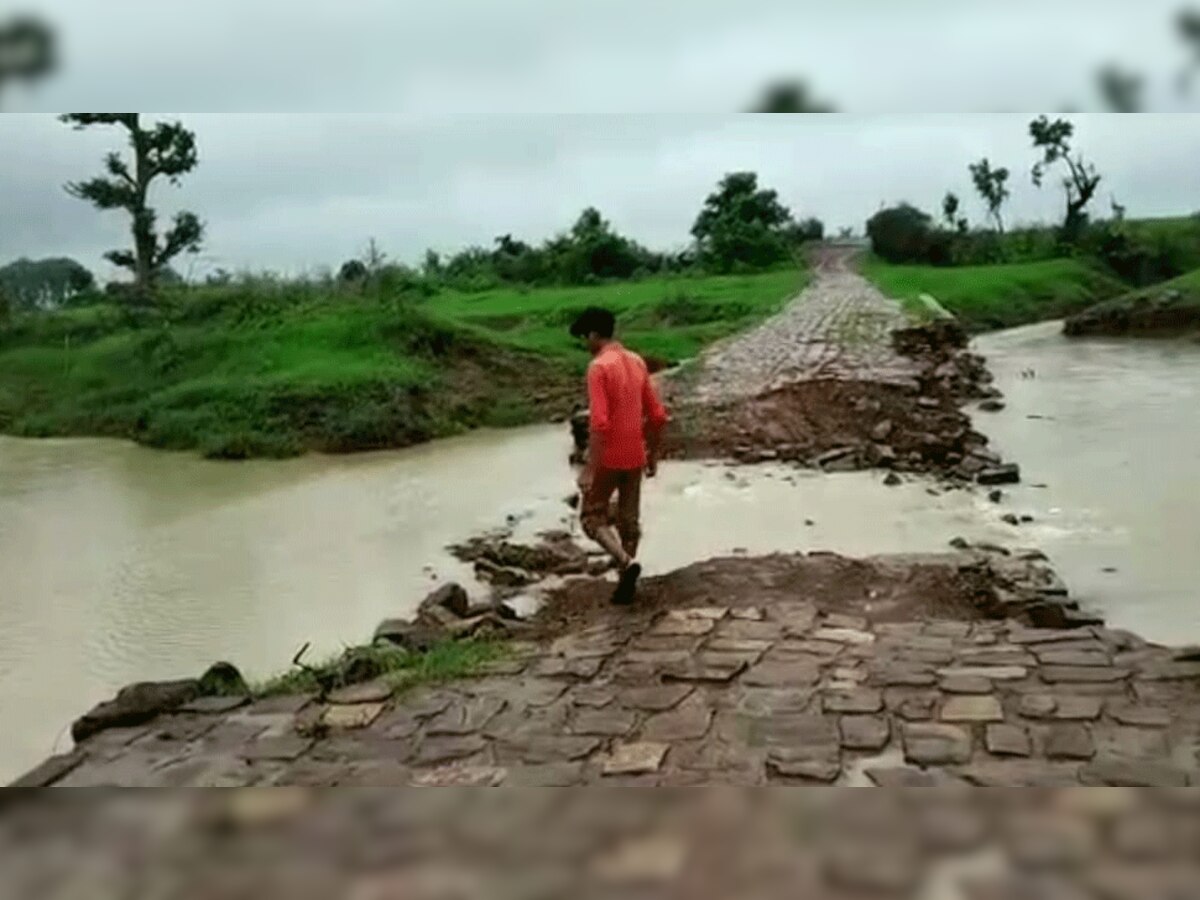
{"x": 1112, "y": 428}
{"x": 119, "y": 563}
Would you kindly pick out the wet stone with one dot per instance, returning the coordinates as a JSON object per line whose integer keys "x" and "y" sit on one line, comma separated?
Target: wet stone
{"x": 466, "y": 716}
{"x": 860, "y": 701}
{"x": 966, "y": 684}
{"x": 606, "y": 722}
{"x": 286, "y": 748}
{"x": 711, "y": 667}
{"x": 936, "y": 745}
{"x": 806, "y": 747}
{"x": 562, "y": 666}
{"x": 657, "y": 698}
{"x": 1007, "y": 740}
{"x": 972, "y": 709}
{"x": 1082, "y": 674}
{"x": 749, "y": 648}
{"x": 782, "y": 673}
{"x": 434, "y": 750}
{"x": 1069, "y": 742}
{"x": 688, "y": 721}
{"x": 1127, "y": 713}
{"x": 634, "y": 759}
{"x": 864, "y": 732}
{"x": 367, "y": 692}
{"x": 537, "y": 747}
{"x": 350, "y": 716}
{"x": 901, "y": 675}
{"x": 214, "y": 705}
{"x": 593, "y": 696}
{"x": 762, "y": 702}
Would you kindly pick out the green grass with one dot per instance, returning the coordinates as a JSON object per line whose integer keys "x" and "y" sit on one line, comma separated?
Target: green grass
{"x": 1000, "y": 296}
{"x": 275, "y": 369}
{"x": 400, "y": 668}
{"x": 669, "y": 318}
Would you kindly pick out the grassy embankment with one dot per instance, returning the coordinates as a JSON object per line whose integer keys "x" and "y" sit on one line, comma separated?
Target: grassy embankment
{"x": 1169, "y": 308}
{"x": 275, "y": 369}
{"x": 999, "y": 296}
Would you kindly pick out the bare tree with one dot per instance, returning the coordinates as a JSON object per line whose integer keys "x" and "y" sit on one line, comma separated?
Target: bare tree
{"x": 165, "y": 150}
{"x": 373, "y": 257}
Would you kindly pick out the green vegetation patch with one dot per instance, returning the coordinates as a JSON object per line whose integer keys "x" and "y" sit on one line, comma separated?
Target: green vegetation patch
{"x": 999, "y": 296}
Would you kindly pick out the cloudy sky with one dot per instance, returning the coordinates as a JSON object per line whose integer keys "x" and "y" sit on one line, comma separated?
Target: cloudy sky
{"x": 296, "y": 192}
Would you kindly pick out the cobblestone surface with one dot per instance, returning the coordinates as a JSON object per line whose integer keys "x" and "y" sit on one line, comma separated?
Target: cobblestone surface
{"x": 839, "y": 328}
{"x": 709, "y": 694}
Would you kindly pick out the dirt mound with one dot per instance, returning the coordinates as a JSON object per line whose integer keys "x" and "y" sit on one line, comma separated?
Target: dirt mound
{"x": 880, "y": 589}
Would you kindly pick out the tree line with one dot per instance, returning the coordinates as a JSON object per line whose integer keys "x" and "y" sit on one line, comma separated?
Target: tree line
{"x": 904, "y": 233}
{"x": 740, "y": 227}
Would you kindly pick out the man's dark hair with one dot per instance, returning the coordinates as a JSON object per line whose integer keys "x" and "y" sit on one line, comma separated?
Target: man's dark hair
{"x": 594, "y": 320}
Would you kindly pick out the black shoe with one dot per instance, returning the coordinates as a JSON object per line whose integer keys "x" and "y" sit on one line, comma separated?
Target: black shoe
{"x": 627, "y": 585}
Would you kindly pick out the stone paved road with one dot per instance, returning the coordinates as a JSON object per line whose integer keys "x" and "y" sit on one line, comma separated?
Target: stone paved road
{"x": 703, "y": 694}
{"x": 837, "y": 328}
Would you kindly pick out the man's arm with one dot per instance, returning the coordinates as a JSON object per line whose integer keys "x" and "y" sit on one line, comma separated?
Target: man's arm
{"x": 656, "y": 420}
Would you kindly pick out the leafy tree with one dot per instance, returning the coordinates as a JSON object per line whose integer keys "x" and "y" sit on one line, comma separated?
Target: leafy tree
{"x": 810, "y": 229}
{"x": 790, "y": 97}
{"x": 1081, "y": 180}
{"x": 741, "y": 224}
{"x": 950, "y": 206}
{"x": 903, "y": 233}
{"x": 353, "y": 270}
{"x": 44, "y": 283}
{"x": 992, "y": 187}
{"x": 27, "y": 49}
{"x": 165, "y": 150}
{"x": 432, "y": 266}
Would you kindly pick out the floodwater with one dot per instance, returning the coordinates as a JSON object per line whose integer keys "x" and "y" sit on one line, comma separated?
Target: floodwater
{"x": 1111, "y": 427}
{"x": 119, "y": 563}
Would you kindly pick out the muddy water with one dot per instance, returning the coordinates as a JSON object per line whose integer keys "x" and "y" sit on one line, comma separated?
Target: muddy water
{"x": 119, "y": 563}
{"x": 1112, "y": 428}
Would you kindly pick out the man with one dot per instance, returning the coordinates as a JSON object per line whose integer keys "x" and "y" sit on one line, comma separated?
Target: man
{"x": 626, "y": 419}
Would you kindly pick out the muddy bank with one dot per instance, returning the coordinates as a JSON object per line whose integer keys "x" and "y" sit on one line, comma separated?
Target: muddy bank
{"x": 1155, "y": 312}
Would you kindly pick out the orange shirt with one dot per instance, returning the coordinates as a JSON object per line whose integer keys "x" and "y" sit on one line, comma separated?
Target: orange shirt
{"x": 622, "y": 401}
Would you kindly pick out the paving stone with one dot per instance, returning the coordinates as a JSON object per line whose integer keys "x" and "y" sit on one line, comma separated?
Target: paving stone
{"x": 368, "y": 692}
{"x": 750, "y": 613}
{"x": 929, "y": 744}
{"x": 954, "y": 630}
{"x": 1068, "y": 742}
{"x": 1115, "y": 773}
{"x": 1037, "y": 706}
{"x": 966, "y": 684}
{"x": 455, "y": 775}
{"x": 514, "y": 666}
{"x": 782, "y": 673}
{"x": 1170, "y": 671}
{"x": 1082, "y": 674}
{"x": 350, "y": 716}
{"x": 864, "y": 732}
{"x": 713, "y": 667}
{"x": 555, "y": 774}
{"x": 634, "y": 759}
{"x": 678, "y": 626}
{"x": 656, "y": 698}
{"x": 1020, "y": 773}
{"x": 539, "y": 747}
{"x": 701, "y": 612}
{"x": 435, "y": 750}
{"x": 1128, "y": 713}
{"x": 913, "y": 706}
{"x": 1131, "y": 743}
{"x": 1021, "y": 635}
{"x": 903, "y": 675}
{"x": 825, "y": 650}
{"x": 466, "y": 716}
{"x": 800, "y": 746}
{"x": 51, "y": 770}
{"x": 749, "y": 648}
{"x": 688, "y": 721}
{"x": 843, "y": 636}
{"x": 1047, "y": 841}
{"x": 283, "y": 704}
{"x": 796, "y": 618}
{"x": 759, "y": 702}
{"x": 214, "y": 705}
{"x": 285, "y": 748}
{"x": 842, "y": 673}
{"x": 907, "y": 777}
{"x": 1007, "y": 740}
{"x": 742, "y": 629}
{"x": 610, "y": 721}
{"x": 1074, "y": 658}
{"x": 862, "y": 700}
{"x": 562, "y": 666}
{"x": 972, "y": 709}
{"x": 840, "y": 620}
{"x": 526, "y": 693}
{"x": 995, "y": 656}
{"x": 921, "y": 657}
{"x": 594, "y": 696}
{"x": 994, "y": 673}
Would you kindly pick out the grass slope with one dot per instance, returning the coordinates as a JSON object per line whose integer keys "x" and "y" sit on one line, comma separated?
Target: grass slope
{"x": 274, "y": 369}
{"x": 1171, "y": 307}
{"x": 1000, "y": 296}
